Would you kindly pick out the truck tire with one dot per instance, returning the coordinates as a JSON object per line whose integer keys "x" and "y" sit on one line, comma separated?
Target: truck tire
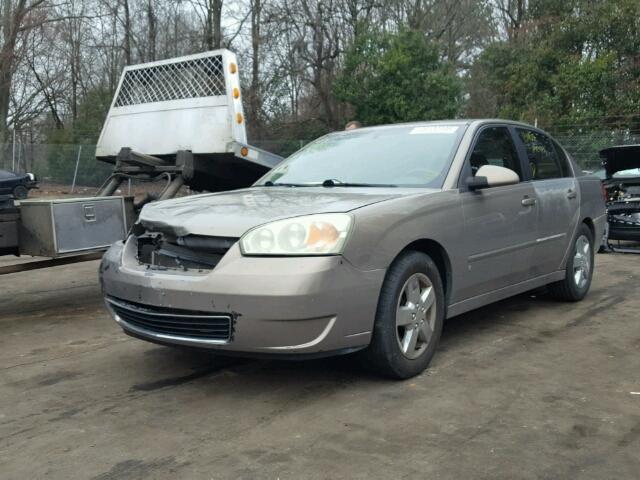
{"x": 409, "y": 317}
{"x": 579, "y": 269}
{"x": 20, "y": 192}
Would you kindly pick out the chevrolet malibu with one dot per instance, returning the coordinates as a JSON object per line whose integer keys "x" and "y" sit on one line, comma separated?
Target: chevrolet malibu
{"x": 365, "y": 240}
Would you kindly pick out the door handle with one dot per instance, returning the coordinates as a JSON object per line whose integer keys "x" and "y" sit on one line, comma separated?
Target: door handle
{"x": 528, "y": 201}
{"x": 571, "y": 193}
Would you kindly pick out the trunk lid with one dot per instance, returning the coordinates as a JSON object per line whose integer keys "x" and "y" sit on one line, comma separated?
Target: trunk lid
{"x": 617, "y": 159}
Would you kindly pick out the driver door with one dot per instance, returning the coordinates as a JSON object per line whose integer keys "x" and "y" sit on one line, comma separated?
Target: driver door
{"x": 500, "y": 223}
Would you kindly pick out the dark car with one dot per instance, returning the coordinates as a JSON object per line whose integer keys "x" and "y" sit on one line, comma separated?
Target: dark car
{"x": 622, "y": 185}
{"x": 17, "y": 184}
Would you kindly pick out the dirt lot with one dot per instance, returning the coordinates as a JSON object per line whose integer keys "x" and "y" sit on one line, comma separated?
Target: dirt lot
{"x": 527, "y": 388}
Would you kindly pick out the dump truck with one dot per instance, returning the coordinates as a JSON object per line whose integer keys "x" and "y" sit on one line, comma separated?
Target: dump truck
{"x": 180, "y": 120}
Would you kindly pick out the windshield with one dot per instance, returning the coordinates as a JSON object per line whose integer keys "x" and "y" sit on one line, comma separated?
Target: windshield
{"x": 408, "y": 156}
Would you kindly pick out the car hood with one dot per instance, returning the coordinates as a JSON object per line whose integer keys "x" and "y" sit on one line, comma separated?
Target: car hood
{"x": 617, "y": 159}
{"x": 7, "y": 175}
{"x": 231, "y": 214}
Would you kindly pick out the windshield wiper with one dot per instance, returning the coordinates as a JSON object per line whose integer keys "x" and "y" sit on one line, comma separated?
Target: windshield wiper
{"x": 327, "y": 183}
{"x": 269, "y": 183}
{"x": 331, "y": 182}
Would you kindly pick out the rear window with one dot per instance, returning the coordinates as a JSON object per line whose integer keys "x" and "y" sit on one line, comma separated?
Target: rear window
{"x": 544, "y": 159}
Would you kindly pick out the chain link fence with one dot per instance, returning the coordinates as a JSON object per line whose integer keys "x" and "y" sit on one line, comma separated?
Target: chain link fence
{"x": 584, "y": 147}
{"x": 73, "y": 169}
{"x": 64, "y": 165}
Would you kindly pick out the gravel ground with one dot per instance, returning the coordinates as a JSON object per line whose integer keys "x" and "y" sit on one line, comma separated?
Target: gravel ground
{"x": 528, "y": 388}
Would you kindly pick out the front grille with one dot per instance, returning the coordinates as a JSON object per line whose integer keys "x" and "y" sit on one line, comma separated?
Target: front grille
{"x": 175, "y": 322}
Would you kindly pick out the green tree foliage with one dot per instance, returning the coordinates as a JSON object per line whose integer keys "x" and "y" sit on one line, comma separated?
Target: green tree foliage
{"x": 575, "y": 63}
{"x": 400, "y": 77}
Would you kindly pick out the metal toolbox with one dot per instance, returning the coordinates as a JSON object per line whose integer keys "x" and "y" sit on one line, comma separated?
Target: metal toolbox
{"x": 57, "y": 227}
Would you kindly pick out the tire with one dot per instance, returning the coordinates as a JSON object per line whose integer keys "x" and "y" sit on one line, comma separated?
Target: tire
{"x": 393, "y": 351}
{"x": 20, "y": 192}
{"x": 579, "y": 269}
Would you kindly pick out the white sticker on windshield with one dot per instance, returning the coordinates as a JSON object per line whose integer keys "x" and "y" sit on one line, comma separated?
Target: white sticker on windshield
{"x": 433, "y": 129}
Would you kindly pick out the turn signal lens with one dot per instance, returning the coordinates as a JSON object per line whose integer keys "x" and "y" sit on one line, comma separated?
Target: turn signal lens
{"x": 323, "y": 234}
{"x": 236, "y": 93}
{"x": 239, "y": 118}
{"x": 244, "y": 151}
{"x": 233, "y": 68}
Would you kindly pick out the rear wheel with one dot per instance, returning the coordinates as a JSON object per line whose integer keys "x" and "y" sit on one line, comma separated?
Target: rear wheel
{"x": 20, "y": 192}
{"x": 409, "y": 317}
{"x": 579, "y": 269}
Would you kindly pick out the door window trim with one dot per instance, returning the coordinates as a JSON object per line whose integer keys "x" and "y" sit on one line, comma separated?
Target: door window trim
{"x": 465, "y": 171}
{"x": 524, "y": 161}
{"x": 567, "y": 157}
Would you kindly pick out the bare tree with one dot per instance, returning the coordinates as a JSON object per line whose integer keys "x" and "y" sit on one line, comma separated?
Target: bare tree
{"x": 210, "y": 12}
{"x": 19, "y": 18}
{"x": 46, "y": 73}
{"x": 290, "y": 51}
{"x": 512, "y": 14}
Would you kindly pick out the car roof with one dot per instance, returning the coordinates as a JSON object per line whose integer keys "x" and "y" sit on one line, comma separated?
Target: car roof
{"x": 457, "y": 122}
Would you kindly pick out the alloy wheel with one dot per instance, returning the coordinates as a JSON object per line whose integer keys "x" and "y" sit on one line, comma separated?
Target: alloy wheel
{"x": 582, "y": 262}
{"x": 415, "y": 315}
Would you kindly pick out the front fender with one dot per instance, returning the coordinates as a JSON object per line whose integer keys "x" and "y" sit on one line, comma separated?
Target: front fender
{"x": 383, "y": 230}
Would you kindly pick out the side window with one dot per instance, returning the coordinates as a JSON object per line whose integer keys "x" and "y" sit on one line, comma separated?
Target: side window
{"x": 564, "y": 161}
{"x": 495, "y": 147}
{"x": 545, "y": 160}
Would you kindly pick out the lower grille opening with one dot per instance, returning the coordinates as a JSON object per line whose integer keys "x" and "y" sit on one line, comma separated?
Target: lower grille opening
{"x": 191, "y": 252}
{"x": 176, "y": 322}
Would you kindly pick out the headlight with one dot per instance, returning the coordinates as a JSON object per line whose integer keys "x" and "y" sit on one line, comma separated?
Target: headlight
{"x": 322, "y": 234}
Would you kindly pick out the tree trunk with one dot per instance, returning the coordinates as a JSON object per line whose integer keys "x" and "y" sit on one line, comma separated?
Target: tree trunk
{"x": 213, "y": 39}
{"x": 151, "y": 18}
{"x": 11, "y": 21}
{"x": 254, "y": 91}
{"x": 127, "y": 33}
{"x": 217, "y": 23}
{"x": 75, "y": 63}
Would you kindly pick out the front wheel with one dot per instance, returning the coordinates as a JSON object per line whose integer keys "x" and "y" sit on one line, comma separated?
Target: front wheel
{"x": 409, "y": 318}
{"x": 579, "y": 269}
{"x": 20, "y": 192}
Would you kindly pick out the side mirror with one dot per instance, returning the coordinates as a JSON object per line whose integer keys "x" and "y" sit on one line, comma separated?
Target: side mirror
{"x": 492, "y": 176}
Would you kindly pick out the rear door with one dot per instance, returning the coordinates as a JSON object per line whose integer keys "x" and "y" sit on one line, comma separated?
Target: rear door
{"x": 500, "y": 223}
{"x": 557, "y": 194}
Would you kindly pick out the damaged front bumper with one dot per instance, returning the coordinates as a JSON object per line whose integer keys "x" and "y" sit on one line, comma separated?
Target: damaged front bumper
{"x": 272, "y": 305}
